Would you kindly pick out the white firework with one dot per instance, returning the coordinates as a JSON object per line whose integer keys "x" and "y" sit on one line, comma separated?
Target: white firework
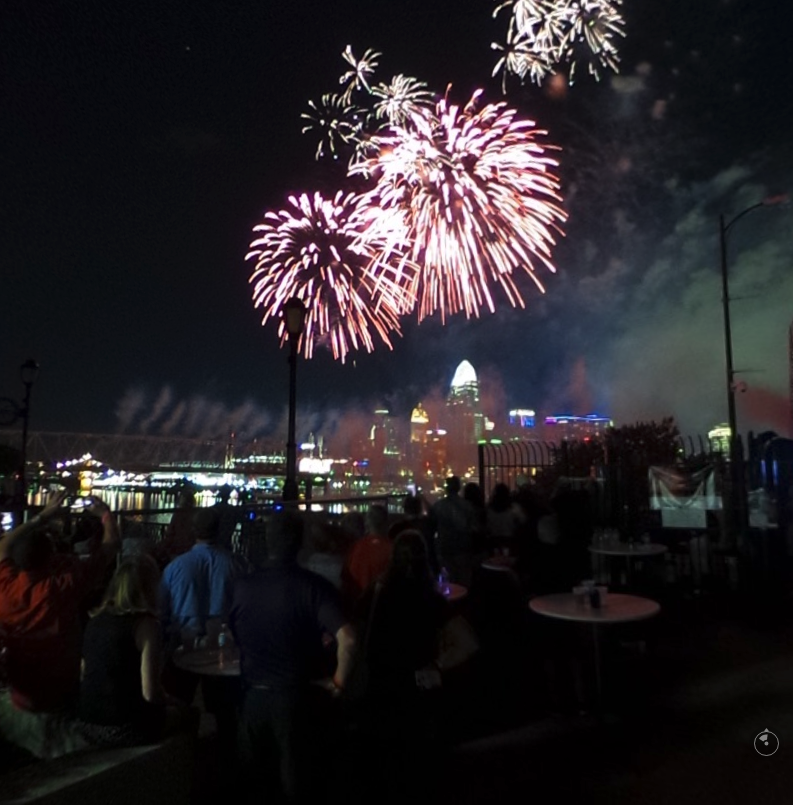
{"x": 336, "y": 121}
{"x": 596, "y": 23}
{"x": 400, "y": 99}
{"x": 521, "y": 57}
{"x": 356, "y": 78}
{"x": 542, "y": 34}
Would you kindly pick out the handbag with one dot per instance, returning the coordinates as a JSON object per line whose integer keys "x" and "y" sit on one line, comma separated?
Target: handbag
{"x": 457, "y": 644}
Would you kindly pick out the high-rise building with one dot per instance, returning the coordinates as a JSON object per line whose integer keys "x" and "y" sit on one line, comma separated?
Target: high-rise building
{"x": 522, "y": 418}
{"x": 385, "y": 455}
{"x": 563, "y": 426}
{"x": 466, "y": 420}
{"x": 419, "y": 424}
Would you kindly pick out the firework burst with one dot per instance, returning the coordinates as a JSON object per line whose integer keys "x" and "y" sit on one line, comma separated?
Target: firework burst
{"x": 542, "y": 34}
{"x": 478, "y": 199}
{"x": 337, "y": 121}
{"x": 319, "y": 250}
{"x": 401, "y": 99}
{"x": 357, "y": 78}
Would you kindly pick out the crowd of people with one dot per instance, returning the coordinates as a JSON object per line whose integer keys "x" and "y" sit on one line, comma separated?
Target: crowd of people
{"x": 341, "y": 629}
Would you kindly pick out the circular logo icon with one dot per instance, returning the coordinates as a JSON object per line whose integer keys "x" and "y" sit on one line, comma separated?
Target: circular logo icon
{"x": 766, "y": 743}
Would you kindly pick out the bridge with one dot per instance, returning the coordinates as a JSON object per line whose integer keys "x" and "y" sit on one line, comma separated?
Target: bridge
{"x": 142, "y": 454}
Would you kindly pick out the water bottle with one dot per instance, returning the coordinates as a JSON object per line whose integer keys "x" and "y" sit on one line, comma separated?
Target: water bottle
{"x": 222, "y": 642}
{"x": 594, "y": 598}
{"x": 443, "y": 581}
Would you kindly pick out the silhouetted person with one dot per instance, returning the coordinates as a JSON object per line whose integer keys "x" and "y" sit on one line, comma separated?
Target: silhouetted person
{"x": 453, "y": 524}
{"x": 368, "y": 557}
{"x": 278, "y": 618}
{"x": 416, "y": 520}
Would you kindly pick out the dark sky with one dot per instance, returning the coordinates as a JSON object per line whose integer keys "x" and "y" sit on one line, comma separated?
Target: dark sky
{"x": 140, "y": 143}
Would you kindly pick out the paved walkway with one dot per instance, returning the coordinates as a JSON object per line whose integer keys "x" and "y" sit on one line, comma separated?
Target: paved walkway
{"x": 684, "y": 720}
{"x": 681, "y": 719}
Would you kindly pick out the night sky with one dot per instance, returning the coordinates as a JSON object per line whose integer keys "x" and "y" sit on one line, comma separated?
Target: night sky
{"x": 141, "y": 142}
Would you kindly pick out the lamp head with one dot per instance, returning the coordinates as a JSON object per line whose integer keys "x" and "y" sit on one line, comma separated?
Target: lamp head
{"x": 29, "y": 371}
{"x": 294, "y": 316}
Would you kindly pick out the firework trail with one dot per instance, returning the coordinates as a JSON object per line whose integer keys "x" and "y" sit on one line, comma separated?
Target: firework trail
{"x": 352, "y": 278}
{"x": 475, "y": 192}
{"x": 543, "y": 34}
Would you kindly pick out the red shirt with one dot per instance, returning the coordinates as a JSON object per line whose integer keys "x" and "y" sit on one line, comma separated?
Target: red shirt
{"x": 367, "y": 561}
{"x": 40, "y": 623}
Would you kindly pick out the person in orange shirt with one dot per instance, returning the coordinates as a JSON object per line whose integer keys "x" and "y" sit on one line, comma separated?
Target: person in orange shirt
{"x": 41, "y": 598}
{"x": 368, "y": 558}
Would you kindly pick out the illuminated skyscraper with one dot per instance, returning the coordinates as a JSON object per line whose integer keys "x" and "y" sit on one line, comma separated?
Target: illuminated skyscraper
{"x": 466, "y": 420}
{"x": 419, "y": 423}
{"x": 563, "y": 426}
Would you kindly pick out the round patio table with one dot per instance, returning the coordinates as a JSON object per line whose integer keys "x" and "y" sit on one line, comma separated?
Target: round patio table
{"x": 614, "y": 608}
{"x": 453, "y": 592}
{"x": 499, "y": 562}
{"x": 629, "y": 551}
{"x": 209, "y": 661}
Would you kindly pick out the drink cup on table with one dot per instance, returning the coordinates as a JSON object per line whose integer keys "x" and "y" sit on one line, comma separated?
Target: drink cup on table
{"x": 189, "y": 637}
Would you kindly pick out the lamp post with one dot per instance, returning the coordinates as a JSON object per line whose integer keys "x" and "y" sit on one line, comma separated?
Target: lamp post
{"x": 294, "y": 318}
{"x": 28, "y": 372}
{"x": 737, "y": 509}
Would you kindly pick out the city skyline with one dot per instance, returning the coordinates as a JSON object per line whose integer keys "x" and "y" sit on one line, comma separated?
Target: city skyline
{"x": 141, "y": 148}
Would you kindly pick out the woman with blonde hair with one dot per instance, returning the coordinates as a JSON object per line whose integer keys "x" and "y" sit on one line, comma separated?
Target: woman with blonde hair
{"x": 122, "y": 702}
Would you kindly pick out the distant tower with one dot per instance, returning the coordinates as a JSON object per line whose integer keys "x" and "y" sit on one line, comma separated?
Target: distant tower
{"x": 419, "y": 423}
{"x": 466, "y": 419}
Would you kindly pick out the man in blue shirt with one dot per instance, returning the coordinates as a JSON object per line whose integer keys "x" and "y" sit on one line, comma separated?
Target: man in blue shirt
{"x": 196, "y": 590}
{"x": 197, "y": 586}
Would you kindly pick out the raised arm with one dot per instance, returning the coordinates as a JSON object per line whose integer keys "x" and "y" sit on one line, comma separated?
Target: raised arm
{"x": 52, "y": 508}
{"x": 345, "y": 643}
{"x": 147, "y": 639}
{"x": 111, "y": 540}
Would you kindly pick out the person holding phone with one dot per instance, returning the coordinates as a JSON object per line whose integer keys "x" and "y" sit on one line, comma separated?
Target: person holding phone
{"x": 42, "y": 594}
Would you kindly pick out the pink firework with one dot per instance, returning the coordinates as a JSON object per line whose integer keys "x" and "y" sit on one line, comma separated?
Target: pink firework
{"x": 478, "y": 199}
{"x": 322, "y": 251}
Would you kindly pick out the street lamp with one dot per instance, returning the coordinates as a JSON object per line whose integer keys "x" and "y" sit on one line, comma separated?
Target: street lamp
{"x": 28, "y": 372}
{"x": 737, "y": 512}
{"x": 294, "y": 318}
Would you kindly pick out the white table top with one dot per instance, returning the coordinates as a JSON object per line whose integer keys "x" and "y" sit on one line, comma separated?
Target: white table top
{"x": 499, "y": 563}
{"x": 615, "y": 608}
{"x": 207, "y": 661}
{"x": 630, "y": 549}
